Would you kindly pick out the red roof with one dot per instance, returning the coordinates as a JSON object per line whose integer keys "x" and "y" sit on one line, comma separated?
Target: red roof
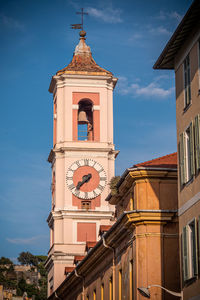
{"x": 68, "y": 269}
{"x": 90, "y": 245}
{"x": 82, "y": 61}
{"x": 78, "y": 258}
{"x": 104, "y": 228}
{"x": 167, "y": 161}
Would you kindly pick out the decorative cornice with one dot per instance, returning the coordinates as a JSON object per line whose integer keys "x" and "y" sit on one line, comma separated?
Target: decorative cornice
{"x": 113, "y": 236}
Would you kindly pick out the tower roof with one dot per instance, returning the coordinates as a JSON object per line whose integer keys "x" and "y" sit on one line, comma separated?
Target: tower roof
{"x": 82, "y": 61}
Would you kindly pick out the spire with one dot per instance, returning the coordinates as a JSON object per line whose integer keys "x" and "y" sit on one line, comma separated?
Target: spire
{"x": 82, "y": 48}
{"x": 82, "y": 61}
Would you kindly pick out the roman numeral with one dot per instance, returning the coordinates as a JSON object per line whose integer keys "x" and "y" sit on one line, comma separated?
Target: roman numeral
{"x": 100, "y": 187}
{"x": 71, "y": 186}
{"x": 77, "y": 193}
{"x": 86, "y": 195}
{"x": 95, "y": 194}
{"x": 103, "y": 178}
{"x": 86, "y": 162}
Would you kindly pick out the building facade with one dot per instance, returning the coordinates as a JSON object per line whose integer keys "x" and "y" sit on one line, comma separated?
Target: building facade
{"x": 141, "y": 248}
{"x": 82, "y": 159}
{"x": 182, "y": 53}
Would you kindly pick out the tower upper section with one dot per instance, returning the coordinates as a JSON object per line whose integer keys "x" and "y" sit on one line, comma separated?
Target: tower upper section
{"x": 83, "y": 101}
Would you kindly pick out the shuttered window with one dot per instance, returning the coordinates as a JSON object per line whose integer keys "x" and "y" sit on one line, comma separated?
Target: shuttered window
{"x": 197, "y": 142}
{"x": 189, "y": 251}
{"x": 186, "y": 155}
{"x": 187, "y": 81}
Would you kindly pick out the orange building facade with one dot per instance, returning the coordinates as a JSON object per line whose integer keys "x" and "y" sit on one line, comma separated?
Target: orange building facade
{"x": 141, "y": 248}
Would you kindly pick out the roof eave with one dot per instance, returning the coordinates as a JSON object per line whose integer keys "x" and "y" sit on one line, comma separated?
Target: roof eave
{"x": 178, "y": 33}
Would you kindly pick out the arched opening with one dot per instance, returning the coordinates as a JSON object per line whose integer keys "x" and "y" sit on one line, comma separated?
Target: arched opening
{"x": 85, "y": 120}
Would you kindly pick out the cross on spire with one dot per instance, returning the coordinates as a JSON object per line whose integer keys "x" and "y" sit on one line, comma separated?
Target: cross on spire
{"x": 79, "y": 26}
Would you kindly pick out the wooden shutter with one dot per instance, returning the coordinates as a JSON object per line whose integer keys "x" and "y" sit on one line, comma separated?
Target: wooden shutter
{"x": 185, "y": 253}
{"x": 198, "y": 235}
{"x": 182, "y": 159}
{"x": 197, "y": 141}
{"x": 195, "y": 249}
{"x": 191, "y": 139}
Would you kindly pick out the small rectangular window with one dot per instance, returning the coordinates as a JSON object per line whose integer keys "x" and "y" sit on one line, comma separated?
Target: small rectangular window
{"x": 86, "y": 205}
{"x": 187, "y": 83}
{"x": 102, "y": 291}
{"x": 94, "y": 295}
{"x": 120, "y": 284}
{"x": 111, "y": 288}
{"x": 131, "y": 279}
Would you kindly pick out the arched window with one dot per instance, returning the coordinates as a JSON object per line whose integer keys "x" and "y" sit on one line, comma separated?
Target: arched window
{"x": 85, "y": 120}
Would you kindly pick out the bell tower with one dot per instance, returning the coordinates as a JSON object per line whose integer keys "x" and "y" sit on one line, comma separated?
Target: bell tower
{"x": 82, "y": 159}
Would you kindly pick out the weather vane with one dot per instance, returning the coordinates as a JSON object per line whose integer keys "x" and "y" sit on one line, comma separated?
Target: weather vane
{"x": 79, "y": 26}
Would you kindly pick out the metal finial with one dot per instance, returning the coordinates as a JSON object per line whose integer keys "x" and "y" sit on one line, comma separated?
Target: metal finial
{"x": 79, "y": 26}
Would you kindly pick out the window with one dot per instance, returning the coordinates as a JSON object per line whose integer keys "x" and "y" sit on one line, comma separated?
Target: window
{"x": 131, "y": 279}
{"x": 102, "y": 291}
{"x": 189, "y": 250}
{"x": 199, "y": 62}
{"x": 94, "y": 295}
{"x": 120, "y": 284}
{"x": 86, "y": 205}
{"x": 197, "y": 142}
{"x": 85, "y": 120}
{"x": 187, "y": 81}
{"x": 186, "y": 155}
{"x": 111, "y": 288}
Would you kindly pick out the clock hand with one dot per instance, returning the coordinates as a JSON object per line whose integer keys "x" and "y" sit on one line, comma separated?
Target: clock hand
{"x": 85, "y": 179}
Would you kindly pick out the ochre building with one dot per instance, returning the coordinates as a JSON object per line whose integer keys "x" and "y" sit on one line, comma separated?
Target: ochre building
{"x": 141, "y": 248}
{"x": 182, "y": 53}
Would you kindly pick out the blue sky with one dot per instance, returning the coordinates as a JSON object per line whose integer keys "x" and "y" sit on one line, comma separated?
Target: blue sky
{"x": 126, "y": 37}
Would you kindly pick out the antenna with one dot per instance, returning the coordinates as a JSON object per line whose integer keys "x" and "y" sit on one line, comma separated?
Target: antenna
{"x": 79, "y": 26}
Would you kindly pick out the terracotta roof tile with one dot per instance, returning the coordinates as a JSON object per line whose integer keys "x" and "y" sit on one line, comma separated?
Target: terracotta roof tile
{"x": 69, "y": 270}
{"x": 90, "y": 245}
{"x": 167, "y": 161}
{"x": 83, "y": 62}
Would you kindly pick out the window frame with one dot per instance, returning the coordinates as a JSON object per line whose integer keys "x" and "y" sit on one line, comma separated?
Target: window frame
{"x": 187, "y": 82}
{"x": 186, "y": 155}
{"x": 190, "y": 251}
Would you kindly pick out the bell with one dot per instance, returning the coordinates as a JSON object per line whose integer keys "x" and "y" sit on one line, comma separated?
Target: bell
{"x": 82, "y": 117}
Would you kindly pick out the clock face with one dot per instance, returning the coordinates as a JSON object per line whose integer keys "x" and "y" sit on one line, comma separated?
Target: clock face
{"x": 86, "y": 178}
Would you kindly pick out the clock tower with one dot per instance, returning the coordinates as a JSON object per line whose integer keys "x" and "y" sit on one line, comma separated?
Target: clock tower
{"x": 82, "y": 159}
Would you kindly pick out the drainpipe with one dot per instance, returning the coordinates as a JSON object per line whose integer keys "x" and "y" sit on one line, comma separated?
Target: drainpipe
{"x": 111, "y": 248}
{"x": 83, "y": 291}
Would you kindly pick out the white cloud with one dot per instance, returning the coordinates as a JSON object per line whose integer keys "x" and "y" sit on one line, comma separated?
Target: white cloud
{"x": 135, "y": 36}
{"x": 172, "y": 15}
{"x": 152, "y": 90}
{"x": 176, "y": 16}
{"x": 108, "y": 15}
{"x": 11, "y": 23}
{"x": 26, "y": 241}
{"x": 159, "y": 30}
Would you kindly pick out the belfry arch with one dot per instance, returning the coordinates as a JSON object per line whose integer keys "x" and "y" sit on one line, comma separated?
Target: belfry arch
{"x": 85, "y": 120}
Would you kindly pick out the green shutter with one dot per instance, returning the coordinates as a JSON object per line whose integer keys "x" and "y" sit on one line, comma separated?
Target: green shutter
{"x": 182, "y": 158}
{"x": 197, "y": 141}
{"x": 195, "y": 249}
{"x": 191, "y": 140}
{"x": 199, "y": 240}
{"x": 185, "y": 253}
